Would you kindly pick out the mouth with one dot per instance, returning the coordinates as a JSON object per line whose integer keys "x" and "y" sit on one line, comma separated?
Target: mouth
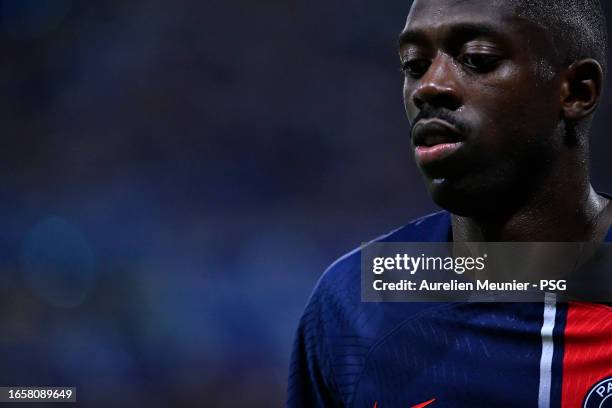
{"x": 435, "y": 140}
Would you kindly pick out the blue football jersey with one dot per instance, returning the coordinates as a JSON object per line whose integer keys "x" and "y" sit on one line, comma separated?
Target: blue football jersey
{"x": 349, "y": 353}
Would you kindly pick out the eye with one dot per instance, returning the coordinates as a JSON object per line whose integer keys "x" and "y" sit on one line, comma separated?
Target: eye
{"x": 415, "y": 68}
{"x": 480, "y": 63}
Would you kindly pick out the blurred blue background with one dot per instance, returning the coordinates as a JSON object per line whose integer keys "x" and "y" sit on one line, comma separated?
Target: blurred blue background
{"x": 175, "y": 176}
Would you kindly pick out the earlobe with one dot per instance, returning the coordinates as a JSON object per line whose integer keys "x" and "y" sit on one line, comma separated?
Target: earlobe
{"x": 581, "y": 89}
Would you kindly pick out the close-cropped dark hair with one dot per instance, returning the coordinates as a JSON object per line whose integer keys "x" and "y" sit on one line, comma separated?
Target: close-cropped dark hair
{"x": 578, "y": 27}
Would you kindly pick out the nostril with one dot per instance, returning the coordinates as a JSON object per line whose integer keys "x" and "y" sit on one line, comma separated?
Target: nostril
{"x": 418, "y": 102}
{"x": 449, "y": 101}
{"x": 436, "y": 96}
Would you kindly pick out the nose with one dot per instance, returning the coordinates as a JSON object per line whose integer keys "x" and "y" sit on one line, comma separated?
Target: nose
{"x": 439, "y": 87}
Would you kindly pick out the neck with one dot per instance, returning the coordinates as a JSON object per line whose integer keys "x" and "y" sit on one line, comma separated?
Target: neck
{"x": 567, "y": 211}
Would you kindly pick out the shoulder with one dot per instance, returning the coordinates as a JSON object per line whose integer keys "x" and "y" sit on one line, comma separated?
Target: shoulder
{"x": 337, "y": 329}
{"x": 346, "y": 270}
{"x": 336, "y": 299}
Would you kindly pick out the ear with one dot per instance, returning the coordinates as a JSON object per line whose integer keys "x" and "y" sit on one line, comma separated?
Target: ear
{"x": 581, "y": 89}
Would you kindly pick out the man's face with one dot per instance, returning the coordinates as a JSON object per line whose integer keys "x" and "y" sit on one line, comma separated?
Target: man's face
{"x": 484, "y": 104}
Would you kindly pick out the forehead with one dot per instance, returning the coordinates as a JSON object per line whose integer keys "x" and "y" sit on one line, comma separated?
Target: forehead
{"x": 435, "y": 15}
{"x": 445, "y": 8}
{"x": 455, "y": 21}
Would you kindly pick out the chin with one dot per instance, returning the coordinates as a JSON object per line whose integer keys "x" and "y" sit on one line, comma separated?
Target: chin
{"x": 474, "y": 200}
{"x": 450, "y": 199}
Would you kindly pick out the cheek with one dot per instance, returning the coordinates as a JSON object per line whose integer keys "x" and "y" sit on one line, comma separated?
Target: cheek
{"x": 509, "y": 109}
{"x": 407, "y": 90}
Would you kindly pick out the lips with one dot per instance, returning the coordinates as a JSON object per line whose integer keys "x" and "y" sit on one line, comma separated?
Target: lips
{"x": 435, "y": 140}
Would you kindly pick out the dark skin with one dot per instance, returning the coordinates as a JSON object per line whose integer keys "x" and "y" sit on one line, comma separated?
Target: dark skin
{"x": 500, "y": 126}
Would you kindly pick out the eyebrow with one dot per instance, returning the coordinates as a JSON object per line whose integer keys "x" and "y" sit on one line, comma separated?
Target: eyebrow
{"x": 458, "y": 32}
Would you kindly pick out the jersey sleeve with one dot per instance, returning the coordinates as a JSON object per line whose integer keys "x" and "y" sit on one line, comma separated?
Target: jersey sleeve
{"x": 311, "y": 382}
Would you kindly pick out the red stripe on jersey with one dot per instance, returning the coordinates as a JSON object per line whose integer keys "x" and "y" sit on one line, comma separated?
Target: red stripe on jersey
{"x": 588, "y": 350}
